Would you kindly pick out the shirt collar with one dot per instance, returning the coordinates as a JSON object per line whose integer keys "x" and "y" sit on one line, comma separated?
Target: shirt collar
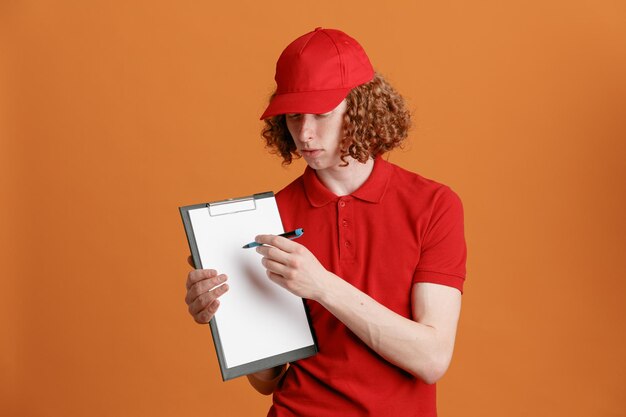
{"x": 371, "y": 191}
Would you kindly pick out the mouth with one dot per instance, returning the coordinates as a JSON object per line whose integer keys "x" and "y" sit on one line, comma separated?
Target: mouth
{"x": 311, "y": 152}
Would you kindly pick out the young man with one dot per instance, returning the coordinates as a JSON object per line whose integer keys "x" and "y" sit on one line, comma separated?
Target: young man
{"x": 382, "y": 263}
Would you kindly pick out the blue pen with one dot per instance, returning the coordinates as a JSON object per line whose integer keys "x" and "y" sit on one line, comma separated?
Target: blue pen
{"x": 294, "y": 234}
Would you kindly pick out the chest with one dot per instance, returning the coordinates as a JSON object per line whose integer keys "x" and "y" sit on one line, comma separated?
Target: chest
{"x": 374, "y": 247}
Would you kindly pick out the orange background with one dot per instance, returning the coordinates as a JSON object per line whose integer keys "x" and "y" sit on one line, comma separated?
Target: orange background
{"x": 115, "y": 113}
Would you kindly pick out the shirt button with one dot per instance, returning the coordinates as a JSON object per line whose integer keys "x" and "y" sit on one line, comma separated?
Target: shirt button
{"x": 344, "y": 223}
{"x": 348, "y": 244}
{"x": 342, "y": 204}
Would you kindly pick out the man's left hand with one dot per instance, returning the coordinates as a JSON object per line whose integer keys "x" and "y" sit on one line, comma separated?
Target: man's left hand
{"x": 292, "y": 266}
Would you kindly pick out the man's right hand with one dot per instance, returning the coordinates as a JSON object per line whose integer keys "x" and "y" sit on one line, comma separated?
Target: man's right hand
{"x": 203, "y": 293}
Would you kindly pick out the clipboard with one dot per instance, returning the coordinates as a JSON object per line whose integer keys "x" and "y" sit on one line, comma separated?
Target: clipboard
{"x": 259, "y": 324}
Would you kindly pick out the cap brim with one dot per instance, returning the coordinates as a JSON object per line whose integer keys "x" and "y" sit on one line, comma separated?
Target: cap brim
{"x": 315, "y": 102}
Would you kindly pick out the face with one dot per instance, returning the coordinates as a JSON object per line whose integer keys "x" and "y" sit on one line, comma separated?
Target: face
{"x": 317, "y": 136}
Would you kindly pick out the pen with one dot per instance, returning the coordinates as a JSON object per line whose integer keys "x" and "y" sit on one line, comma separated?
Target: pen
{"x": 294, "y": 234}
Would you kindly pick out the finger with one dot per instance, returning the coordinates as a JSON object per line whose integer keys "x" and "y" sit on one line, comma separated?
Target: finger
{"x": 204, "y": 286}
{"x": 274, "y": 254}
{"x": 276, "y": 278}
{"x": 204, "y": 300}
{"x": 190, "y": 261}
{"x": 205, "y": 316}
{"x": 198, "y": 275}
{"x": 275, "y": 267}
{"x": 282, "y": 243}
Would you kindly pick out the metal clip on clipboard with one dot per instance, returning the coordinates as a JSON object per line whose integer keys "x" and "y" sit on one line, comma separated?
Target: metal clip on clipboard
{"x": 236, "y": 205}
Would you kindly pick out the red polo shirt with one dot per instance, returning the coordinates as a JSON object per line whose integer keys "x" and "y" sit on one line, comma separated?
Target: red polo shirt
{"x": 397, "y": 229}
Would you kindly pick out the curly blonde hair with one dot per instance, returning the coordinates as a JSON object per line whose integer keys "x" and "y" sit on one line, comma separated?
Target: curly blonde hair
{"x": 376, "y": 121}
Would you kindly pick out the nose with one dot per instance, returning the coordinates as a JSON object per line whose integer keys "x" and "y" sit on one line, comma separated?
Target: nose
{"x": 305, "y": 129}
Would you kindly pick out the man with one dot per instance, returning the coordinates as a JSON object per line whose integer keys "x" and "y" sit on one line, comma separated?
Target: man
{"x": 382, "y": 263}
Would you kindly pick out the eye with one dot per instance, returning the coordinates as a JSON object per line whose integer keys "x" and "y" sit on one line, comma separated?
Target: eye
{"x": 324, "y": 114}
{"x": 293, "y": 115}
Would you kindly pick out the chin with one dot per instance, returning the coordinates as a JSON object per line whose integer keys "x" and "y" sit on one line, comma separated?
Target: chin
{"x": 315, "y": 163}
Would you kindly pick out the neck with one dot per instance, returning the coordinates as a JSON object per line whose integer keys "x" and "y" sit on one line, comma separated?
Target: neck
{"x": 344, "y": 180}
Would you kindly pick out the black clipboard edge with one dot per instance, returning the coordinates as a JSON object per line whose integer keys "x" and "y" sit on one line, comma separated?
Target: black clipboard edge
{"x": 261, "y": 364}
{"x": 271, "y": 362}
{"x": 195, "y": 255}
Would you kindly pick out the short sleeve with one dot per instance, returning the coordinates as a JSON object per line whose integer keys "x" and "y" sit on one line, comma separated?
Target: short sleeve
{"x": 443, "y": 250}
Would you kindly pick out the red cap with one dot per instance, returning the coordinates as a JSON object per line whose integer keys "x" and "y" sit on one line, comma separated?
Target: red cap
{"x": 316, "y": 71}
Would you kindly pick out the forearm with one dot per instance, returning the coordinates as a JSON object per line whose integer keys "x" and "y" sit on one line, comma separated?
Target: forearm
{"x": 421, "y": 345}
{"x": 415, "y": 347}
{"x": 266, "y": 381}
